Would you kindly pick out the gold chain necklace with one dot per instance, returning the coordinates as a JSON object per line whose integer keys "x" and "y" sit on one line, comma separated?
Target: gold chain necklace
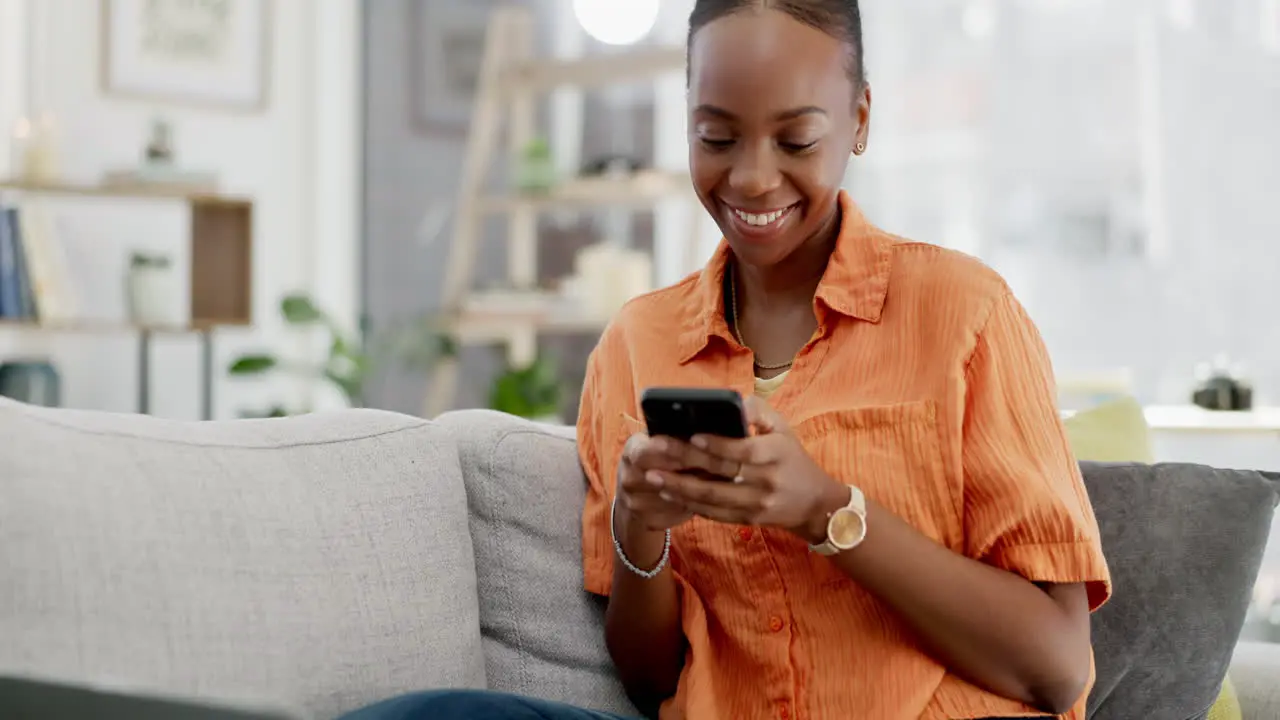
{"x": 737, "y": 331}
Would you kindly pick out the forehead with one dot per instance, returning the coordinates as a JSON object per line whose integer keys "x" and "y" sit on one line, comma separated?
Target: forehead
{"x": 767, "y": 60}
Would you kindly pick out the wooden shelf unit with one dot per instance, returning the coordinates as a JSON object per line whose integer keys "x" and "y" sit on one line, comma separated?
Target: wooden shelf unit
{"x": 221, "y": 240}
{"x": 510, "y": 80}
{"x": 221, "y": 271}
{"x": 101, "y": 327}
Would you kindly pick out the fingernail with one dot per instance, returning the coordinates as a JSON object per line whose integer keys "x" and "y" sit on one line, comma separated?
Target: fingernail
{"x": 699, "y": 442}
{"x": 654, "y": 478}
{"x": 666, "y": 496}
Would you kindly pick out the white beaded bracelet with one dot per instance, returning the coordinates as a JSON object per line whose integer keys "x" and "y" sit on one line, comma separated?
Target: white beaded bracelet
{"x": 617, "y": 546}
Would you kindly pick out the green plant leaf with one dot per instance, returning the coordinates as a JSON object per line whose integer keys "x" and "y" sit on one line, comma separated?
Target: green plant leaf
{"x": 448, "y": 345}
{"x": 252, "y": 365}
{"x": 299, "y": 310}
{"x": 530, "y": 392}
{"x": 275, "y": 411}
{"x": 339, "y": 347}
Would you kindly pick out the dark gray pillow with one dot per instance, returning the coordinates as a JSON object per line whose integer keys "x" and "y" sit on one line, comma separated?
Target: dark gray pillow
{"x": 1184, "y": 544}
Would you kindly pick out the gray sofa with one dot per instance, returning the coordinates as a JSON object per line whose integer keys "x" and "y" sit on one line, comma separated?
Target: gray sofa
{"x": 327, "y": 561}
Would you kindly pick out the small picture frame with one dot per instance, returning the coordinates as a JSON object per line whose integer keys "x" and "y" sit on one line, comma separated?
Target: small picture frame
{"x": 213, "y": 53}
{"x": 446, "y": 44}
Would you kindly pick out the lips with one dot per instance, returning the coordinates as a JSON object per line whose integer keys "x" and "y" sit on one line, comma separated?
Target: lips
{"x": 761, "y": 223}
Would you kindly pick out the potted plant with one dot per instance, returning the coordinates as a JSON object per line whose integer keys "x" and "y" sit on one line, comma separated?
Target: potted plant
{"x": 349, "y": 364}
{"x": 536, "y": 167}
{"x": 532, "y": 392}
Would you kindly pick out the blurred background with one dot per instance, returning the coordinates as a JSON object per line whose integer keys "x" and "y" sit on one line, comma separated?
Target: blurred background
{"x": 237, "y": 208}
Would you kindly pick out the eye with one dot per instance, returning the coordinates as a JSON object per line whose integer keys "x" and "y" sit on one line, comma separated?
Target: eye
{"x": 797, "y": 147}
{"x": 716, "y": 143}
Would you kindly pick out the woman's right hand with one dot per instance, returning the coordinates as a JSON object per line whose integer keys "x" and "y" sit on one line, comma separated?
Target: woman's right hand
{"x": 638, "y": 496}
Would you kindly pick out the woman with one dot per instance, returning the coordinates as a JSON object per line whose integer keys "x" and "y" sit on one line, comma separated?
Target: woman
{"x": 915, "y": 417}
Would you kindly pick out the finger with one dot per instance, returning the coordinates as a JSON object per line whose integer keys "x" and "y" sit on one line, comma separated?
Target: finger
{"x": 649, "y": 453}
{"x": 759, "y": 450}
{"x": 634, "y": 446}
{"x": 689, "y": 457}
{"x": 719, "y": 514}
{"x": 763, "y": 418}
{"x": 648, "y": 503}
{"x": 636, "y": 480}
{"x": 688, "y": 490}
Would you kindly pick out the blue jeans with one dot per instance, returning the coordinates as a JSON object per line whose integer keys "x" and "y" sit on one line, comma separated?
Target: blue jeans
{"x": 477, "y": 705}
{"x": 472, "y": 705}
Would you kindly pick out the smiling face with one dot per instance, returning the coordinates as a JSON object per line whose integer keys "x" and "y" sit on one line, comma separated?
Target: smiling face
{"x": 773, "y": 119}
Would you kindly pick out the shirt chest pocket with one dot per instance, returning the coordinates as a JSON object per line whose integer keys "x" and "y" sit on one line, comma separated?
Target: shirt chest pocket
{"x": 893, "y": 453}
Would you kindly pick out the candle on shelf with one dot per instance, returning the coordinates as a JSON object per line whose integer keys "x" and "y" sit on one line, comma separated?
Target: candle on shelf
{"x": 33, "y": 150}
{"x": 610, "y": 275}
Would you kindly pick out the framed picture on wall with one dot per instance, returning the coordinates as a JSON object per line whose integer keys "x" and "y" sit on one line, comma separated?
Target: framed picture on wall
{"x": 206, "y": 52}
{"x": 446, "y": 44}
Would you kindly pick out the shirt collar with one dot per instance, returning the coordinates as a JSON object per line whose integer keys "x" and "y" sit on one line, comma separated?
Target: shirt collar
{"x": 854, "y": 284}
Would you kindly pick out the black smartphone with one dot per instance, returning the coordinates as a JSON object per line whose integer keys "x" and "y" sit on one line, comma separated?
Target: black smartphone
{"x": 681, "y": 413}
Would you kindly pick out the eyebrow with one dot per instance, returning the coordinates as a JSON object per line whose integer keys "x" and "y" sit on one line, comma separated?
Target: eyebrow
{"x": 791, "y": 114}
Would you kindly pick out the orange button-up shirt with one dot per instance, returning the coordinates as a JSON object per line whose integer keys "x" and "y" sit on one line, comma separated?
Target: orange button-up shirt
{"x": 928, "y": 387}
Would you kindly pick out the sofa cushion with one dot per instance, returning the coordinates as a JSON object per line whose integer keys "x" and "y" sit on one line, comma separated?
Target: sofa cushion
{"x": 1115, "y": 431}
{"x": 543, "y": 634}
{"x": 1184, "y": 544}
{"x": 321, "y": 562}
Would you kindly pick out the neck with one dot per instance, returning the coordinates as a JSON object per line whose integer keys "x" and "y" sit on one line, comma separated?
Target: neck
{"x": 794, "y": 280}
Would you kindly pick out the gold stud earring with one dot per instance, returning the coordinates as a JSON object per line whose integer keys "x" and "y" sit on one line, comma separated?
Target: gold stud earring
{"x": 859, "y": 148}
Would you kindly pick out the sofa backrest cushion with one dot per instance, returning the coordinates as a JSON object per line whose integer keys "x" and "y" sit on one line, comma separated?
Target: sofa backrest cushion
{"x": 1184, "y": 544}
{"x": 321, "y": 562}
{"x": 543, "y": 634}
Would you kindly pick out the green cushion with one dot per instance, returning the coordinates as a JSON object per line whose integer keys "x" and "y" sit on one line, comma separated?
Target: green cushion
{"x": 1113, "y": 432}
{"x": 1227, "y": 706}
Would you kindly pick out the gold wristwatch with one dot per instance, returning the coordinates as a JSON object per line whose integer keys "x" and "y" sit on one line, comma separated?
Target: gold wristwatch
{"x": 846, "y": 527}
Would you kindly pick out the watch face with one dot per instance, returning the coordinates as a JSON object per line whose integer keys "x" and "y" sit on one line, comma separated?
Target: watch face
{"x": 846, "y": 528}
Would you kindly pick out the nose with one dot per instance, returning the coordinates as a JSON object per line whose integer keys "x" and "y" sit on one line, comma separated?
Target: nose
{"x": 755, "y": 171}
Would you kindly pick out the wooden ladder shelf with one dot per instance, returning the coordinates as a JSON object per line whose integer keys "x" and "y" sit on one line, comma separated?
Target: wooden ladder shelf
{"x": 510, "y": 80}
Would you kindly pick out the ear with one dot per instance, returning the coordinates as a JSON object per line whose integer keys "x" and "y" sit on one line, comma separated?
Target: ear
{"x": 862, "y": 119}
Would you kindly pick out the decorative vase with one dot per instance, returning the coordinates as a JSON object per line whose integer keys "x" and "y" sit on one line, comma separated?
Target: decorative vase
{"x": 153, "y": 289}
{"x": 34, "y": 382}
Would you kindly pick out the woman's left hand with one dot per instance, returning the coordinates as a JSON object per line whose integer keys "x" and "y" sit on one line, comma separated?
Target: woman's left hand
{"x": 769, "y": 478}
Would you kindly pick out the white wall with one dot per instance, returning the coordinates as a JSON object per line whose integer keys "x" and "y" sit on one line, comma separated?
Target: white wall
{"x": 297, "y": 159}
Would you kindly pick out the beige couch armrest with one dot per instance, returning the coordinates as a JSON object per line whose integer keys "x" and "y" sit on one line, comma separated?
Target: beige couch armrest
{"x": 1255, "y": 672}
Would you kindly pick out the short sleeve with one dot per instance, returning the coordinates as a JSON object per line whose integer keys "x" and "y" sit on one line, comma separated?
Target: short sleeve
{"x": 602, "y": 433}
{"x": 1026, "y": 507}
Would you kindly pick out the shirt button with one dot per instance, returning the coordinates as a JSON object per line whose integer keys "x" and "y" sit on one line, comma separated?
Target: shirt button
{"x": 776, "y": 624}
{"x": 744, "y": 534}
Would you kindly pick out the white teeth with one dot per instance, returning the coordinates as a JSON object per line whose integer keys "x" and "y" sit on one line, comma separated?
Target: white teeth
{"x": 760, "y": 220}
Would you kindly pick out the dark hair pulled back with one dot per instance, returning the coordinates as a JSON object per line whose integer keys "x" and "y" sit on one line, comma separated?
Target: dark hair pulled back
{"x": 841, "y": 19}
